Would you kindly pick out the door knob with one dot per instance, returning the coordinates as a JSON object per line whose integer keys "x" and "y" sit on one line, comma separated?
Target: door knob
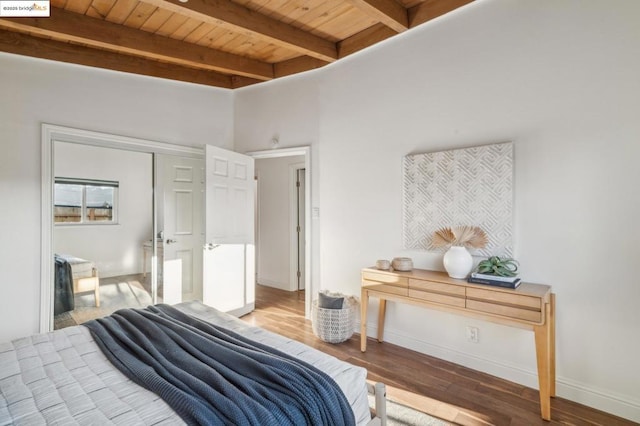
{"x": 170, "y": 241}
{"x": 209, "y": 246}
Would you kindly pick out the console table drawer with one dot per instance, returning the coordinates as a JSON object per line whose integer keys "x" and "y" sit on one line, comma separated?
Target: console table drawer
{"x": 506, "y": 298}
{"x": 437, "y": 298}
{"x": 505, "y": 311}
{"x": 385, "y": 278}
{"x": 432, "y": 286}
{"x": 386, "y": 288}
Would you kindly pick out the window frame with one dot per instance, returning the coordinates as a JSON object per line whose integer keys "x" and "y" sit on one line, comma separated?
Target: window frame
{"x": 83, "y": 208}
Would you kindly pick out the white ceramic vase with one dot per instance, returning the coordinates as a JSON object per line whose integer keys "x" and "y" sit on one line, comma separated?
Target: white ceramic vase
{"x": 458, "y": 262}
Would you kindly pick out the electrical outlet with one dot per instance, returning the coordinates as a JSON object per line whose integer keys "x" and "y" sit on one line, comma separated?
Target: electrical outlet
{"x": 473, "y": 334}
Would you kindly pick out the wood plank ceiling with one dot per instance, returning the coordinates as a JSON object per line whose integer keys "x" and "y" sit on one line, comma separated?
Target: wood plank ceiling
{"x": 219, "y": 43}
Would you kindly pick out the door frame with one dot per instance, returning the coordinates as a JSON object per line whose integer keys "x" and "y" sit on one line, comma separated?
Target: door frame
{"x": 52, "y": 133}
{"x": 306, "y": 152}
{"x": 293, "y": 222}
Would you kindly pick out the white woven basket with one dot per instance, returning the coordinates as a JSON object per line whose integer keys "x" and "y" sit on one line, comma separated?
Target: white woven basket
{"x": 333, "y": 325}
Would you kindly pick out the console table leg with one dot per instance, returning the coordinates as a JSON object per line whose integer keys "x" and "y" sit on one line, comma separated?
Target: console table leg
{"x": 364, "y": 303}
{"x": 552, "y": 344}
{"x": 544, "y": 359}
{"x": 381, "y": 314}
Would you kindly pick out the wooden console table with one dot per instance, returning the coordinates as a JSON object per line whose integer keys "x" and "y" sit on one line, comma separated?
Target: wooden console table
{"x": 530, "y": 306}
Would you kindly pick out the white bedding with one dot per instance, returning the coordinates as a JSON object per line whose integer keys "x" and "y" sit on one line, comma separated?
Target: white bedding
{"x": 62, "y": 377}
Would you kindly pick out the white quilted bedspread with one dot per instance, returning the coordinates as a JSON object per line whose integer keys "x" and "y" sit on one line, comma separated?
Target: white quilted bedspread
{"x": 63, "y": 378}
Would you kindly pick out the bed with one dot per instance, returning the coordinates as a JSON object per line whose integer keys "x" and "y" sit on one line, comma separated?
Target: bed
{"x": 63, "y": 377}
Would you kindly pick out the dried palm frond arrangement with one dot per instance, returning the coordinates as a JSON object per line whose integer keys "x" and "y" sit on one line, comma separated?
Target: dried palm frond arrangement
{"x": 465, "y": 235}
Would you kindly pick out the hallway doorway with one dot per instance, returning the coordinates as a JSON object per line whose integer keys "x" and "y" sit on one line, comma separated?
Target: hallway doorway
{"x": 283, "y": 231}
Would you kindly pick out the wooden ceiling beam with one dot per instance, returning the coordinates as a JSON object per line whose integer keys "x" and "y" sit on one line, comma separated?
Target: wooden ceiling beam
{"x": 239, "y": 81}
{"x": 297, "y": 65}
{"x": 26, "y": 45}
{"x": 431, "y": 9}
{"x": 425, "y": 11}
{"x": 388, "y": 12}
{"x": 242, "y": 19}
{"x": 63, "y": 25}
{"x": 364, "y": 39}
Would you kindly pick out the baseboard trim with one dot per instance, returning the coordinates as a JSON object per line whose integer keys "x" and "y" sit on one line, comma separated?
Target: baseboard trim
{"x": 619, "y": 405}
{"x": 591, "y": 396}
{"x": 275, "y": 284}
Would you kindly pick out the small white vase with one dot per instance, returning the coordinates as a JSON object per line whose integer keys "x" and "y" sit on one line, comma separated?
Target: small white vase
{"x": 458, "y": 262}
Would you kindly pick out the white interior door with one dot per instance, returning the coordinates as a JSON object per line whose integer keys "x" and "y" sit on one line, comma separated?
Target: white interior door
{"x": 182, "y": 225}
{"x": 300, "y": 202}
{"x": 229, "y": 251}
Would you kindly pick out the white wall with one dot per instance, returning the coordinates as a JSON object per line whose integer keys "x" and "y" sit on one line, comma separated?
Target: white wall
{"x": 116, "y": 249}
{"x": 560, "y": 80}
{"x": 286, "y": 109}
{"x": 37, "y": 91}
{"x": 275, "y": 221}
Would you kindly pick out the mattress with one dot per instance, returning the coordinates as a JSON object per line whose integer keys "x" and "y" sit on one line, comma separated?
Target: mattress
{"x": 62, "y": 377}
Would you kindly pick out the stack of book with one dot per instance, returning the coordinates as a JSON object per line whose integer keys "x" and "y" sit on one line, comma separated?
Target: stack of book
{"x": 494, "y": 280}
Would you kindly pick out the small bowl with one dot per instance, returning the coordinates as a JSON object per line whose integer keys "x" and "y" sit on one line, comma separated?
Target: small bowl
{"x": 383, "y": 264}
{"x": 402, "y": 264}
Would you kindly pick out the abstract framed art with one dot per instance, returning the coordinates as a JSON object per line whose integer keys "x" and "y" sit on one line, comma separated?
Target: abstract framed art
{"x": 467, "y": 186}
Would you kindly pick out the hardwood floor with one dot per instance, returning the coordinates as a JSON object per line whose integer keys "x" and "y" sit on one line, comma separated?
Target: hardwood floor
{"x": 436, "y": 387}
{"x": 131, "y": 288}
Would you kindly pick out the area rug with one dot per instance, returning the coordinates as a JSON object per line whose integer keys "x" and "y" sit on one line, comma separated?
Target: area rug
{"x": 401, "y": 415}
